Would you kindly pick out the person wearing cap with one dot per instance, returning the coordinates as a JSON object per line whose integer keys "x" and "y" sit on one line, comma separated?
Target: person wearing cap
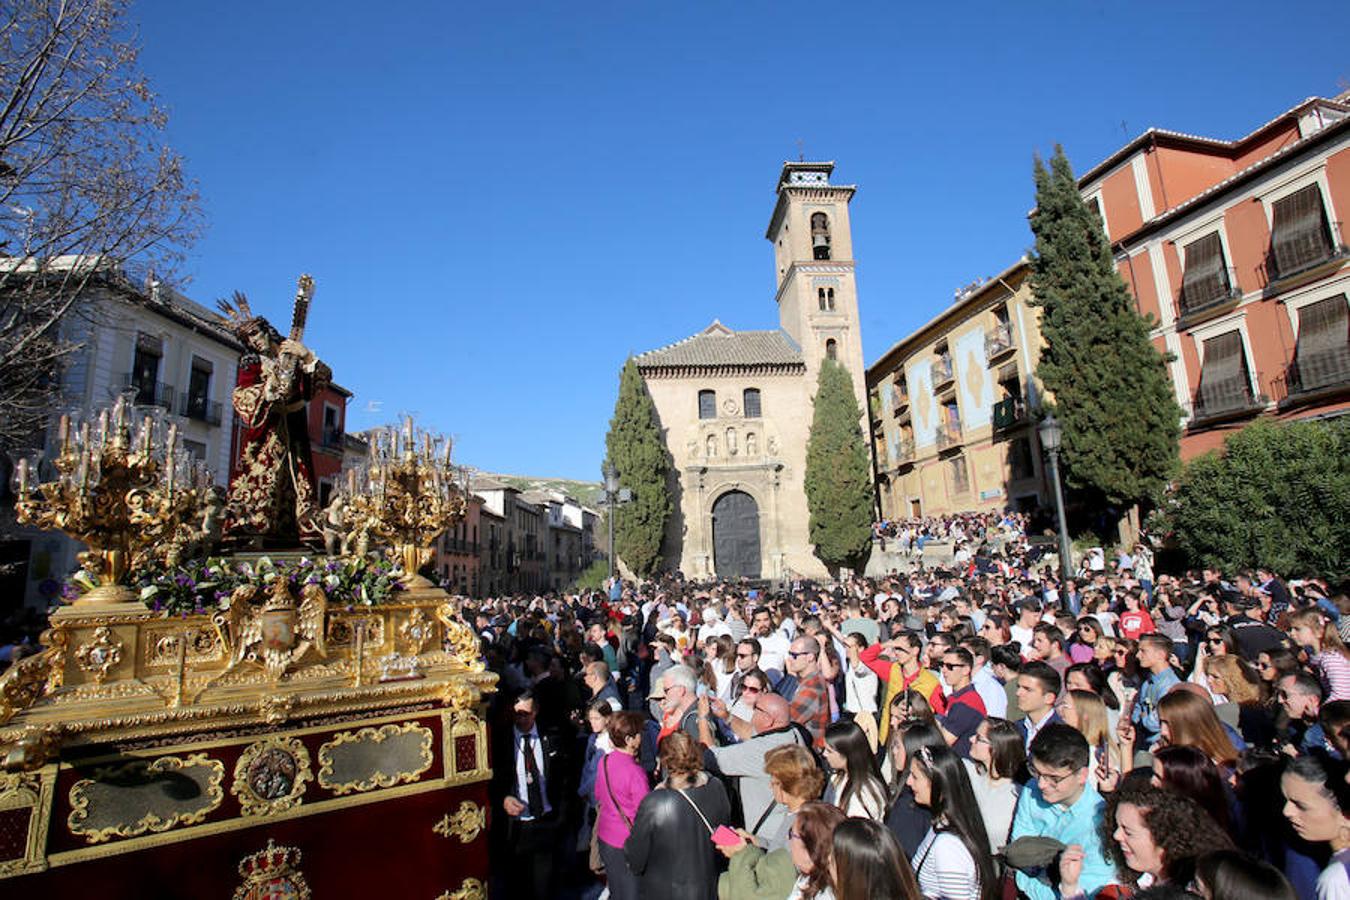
{"x": 1253, "y": 635}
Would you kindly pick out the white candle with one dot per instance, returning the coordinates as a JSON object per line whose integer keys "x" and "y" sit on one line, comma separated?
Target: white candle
{"x": 23, "y": 478}
{"x": 63, "y": 431}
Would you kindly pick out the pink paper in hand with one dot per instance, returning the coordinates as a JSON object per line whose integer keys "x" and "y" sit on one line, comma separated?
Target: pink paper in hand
{"x": 725, "y": 837}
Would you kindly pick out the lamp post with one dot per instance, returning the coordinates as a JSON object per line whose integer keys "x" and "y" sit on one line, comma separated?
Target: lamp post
{"x": 1051, "y": 435}
{"x": 614, "y": 495}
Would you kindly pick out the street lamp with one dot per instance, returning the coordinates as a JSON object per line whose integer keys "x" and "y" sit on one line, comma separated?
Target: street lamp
{"x": 613, "y": 495}
{"x": 1051, "y": 434}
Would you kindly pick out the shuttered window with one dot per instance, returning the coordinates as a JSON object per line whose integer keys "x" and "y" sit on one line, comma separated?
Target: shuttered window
{"x": 707, "y": 404}
{"x": 1224, "y": 383}
{"x": 1206, "y": 279}
{"x": 1298, "y": 232}
{"x": 1322, "y": 357}
{"x": 750, "y": 403}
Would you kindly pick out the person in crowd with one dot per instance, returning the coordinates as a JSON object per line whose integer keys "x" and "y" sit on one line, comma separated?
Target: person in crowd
{"x": 744, "y": 761}
{"x": 1239, "y": 698}
{"x": 720, "y": 651}
{"x": 906, "y": 818}
{"x": 1317, "y": 805}
{"x": 1155, "y": 652}
{"x": 996, "y": 630}
{"x": 1231, "y": 875}
{"x": 670, "y": 849}
{"x": 952, "y": 862}
{"x": 601, "y": 684}
{"x": 905, "y": 708}
{"x": 965, "y": 707}
{"x": 1155, "y": 836}
{"x": 1274, "y": 664}
{"x": 747, "y": 661}
{"x": 1090, "y": 677}
{"x": 810, "y": 705}
{"x": 1186, "y": 719}
{"x": 856, "y": 786}
{"x": 1135, "y": 620}
{"x": 997, "y": 756}
{"x": 598, "y": 744}
{"x": 905, "y": 672}
{"x": 1006, "y": 661}
{"x": 1089, "y": 631}
{"x": 532, "y": 781}
{"x": 679, "y": 702}
{"x": 1300, "y": 696}
{"x": 1085, "y": 711}
{"x": 860, "y": 682}
{"x": 773, "y": 641}
{"x": 1315, "y": 632}
{"x": 1047, "y": 644}
{"x": 1059, "y": 803}
{"x": 1038, "y": 687}
{"x": 1247, "y": 620}
{"x": 1028, "y": 617}
{"x": 801, "y": 871}
{"x": 986, "y": 683}
{"x": 620, "y": 786}
{"x": 869, "y": 864}
{"x": 737, "y": 722}
{"x": 1188, "y": 771}
{"x": 794, "y": 779}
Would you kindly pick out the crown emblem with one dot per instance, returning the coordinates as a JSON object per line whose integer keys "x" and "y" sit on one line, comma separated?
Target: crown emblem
{"x": 281, "y": 599}
{"x": 272, "y": 872}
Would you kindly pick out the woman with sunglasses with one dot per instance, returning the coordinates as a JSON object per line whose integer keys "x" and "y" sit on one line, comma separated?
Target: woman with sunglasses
{"x": 1085, "y": 638}
{"x": 997, "y": 755}
{"x": 953, "y": 860}
{"x": 996, "y": 630}
{"x": 1275, "y": 663}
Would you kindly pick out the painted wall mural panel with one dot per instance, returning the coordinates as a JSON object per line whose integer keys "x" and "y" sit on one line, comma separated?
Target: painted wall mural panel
{"x": 974, "y": 381}
{"x": 925, "y": 417}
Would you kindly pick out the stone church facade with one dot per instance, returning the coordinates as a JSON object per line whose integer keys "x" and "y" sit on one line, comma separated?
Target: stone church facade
{"x": 735, "y": 406}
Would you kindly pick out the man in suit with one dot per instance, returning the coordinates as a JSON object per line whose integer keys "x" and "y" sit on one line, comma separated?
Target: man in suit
{"x": 1038, "y": 686}
{"x": 532, "y": 783}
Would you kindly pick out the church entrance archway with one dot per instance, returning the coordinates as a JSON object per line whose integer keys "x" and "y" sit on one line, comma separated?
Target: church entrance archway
{"x": 735, "y": 527}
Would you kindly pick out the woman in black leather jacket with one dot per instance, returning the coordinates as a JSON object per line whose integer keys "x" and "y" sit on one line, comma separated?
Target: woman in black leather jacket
{"x": 671, "y": 850}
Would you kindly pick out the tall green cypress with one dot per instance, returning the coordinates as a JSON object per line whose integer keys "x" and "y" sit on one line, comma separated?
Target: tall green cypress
{"x": 638, "y": 450}
{"x": 1109, "y": 383}
{"x": 838, "y": 481}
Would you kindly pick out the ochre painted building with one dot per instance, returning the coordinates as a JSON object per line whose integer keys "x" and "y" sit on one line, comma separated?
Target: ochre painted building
{"x": 735, "y": 406}
{"x": 950, "y": 407}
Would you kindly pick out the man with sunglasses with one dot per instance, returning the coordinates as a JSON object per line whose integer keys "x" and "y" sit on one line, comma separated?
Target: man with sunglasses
{"x": 1059, "y": 803}
{"x": 965, "y": 707}
{"x": 810, "y": 703}
{"x": 747, "y": 660}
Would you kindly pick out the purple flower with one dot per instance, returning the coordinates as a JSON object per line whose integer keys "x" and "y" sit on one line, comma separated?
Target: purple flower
{"x": 158, "y": 605}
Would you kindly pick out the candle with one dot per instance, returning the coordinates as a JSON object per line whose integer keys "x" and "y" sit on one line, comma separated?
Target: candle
{"x": 63, "y": 432}
{"x": 102, "y": 424}
{"x": 120, "y": 414}
{"x": 84, "y": 471}
{"x": 23, "y": 478}
{"x": 168, "y": 459}
{"x": 351, "y": 482}
{"x": 449, "y": 443}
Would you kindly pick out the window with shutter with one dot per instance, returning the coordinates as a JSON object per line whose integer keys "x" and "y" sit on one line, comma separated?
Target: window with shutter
{"x": 750, "y": 403}
{"x": 707, "y": 404}
{"x": 1224, "y": 382}
{"x": 1322, "y": 356}
{"x": 1205, "y": 281}
{"x": 1299, "y": 237}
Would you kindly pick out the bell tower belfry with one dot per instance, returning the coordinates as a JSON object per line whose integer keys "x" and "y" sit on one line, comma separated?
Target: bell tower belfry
{"x": 813, "y": 261}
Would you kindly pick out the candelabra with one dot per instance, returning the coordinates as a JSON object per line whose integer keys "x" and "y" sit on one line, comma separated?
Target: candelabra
{"x": 132, "y": 499}
{"x": 406, "y": 495}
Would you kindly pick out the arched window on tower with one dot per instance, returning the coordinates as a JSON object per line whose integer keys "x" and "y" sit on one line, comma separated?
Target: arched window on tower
{"x": 825, "y": 299}
{"x": 820, "y": 235}
{"x": 831, "y": 349}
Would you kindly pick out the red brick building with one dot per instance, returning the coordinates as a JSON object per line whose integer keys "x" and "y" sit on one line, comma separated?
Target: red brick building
{"x": 1238, "y": 250}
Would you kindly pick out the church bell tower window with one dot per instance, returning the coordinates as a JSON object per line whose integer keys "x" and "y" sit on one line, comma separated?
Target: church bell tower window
{"x": 820, "y": 235}
{"x": 831, "y": 349}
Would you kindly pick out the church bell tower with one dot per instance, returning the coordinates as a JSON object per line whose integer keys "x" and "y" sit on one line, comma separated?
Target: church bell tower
{"x": 813, "y": 261}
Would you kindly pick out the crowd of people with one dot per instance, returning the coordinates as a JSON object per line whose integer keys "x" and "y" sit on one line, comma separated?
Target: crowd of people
{"x": 908, "y": 537}
{"x": 977, "y": 733}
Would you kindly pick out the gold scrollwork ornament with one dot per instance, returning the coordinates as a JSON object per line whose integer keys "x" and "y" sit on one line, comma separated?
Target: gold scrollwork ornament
{"x": 466, "y": 823}
{"x": 101, "y": 655}
{"x": 416, "y": 632}
{"x": 471, "y": 889}
{"x": 271, "y": 776}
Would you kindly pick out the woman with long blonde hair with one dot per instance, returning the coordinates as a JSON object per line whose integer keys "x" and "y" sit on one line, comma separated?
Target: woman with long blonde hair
{"x": 1240, "y": 698}
{"x": 1185, "y": 717}
{"x": 1328, "y": 657}
{"x": 1086, "y": 712}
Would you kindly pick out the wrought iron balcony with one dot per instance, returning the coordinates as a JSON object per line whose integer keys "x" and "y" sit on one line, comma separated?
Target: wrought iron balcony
{"x": 149, "y": 393}
{"x": 941, "y": 371}
{"x": 1304, "y": 251}
{"x": 949, "y": 436}
{"x": 1230, "y": 398}
{"x": 1204, "y": 297}
{"x": 1010, "y": 412}
{"x": 1317, "y": 372}
{"x": 201, "y": 409}
{"x": 998, "y": 341}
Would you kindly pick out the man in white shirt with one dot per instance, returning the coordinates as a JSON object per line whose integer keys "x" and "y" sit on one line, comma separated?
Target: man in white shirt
{"x": 1028, "y": 617}
{"x": 773, "y": 643}
{"x": 990, "y": 689}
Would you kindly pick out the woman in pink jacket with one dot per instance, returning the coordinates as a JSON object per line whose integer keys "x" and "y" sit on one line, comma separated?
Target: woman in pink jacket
{"x": 620, "y": 785}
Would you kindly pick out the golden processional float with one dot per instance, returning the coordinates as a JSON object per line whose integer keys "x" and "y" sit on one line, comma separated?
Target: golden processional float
{"x": 250, "y": 696}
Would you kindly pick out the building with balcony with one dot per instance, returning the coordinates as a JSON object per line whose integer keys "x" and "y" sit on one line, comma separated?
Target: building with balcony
{"x": 520, "y": 565}
{"x": 949, "y": 407}
{"x": 459, "y": 553}
{"x": 563, "y": 544}
{"x": 1238, "y": 251}
{"x": 139, "y": 339}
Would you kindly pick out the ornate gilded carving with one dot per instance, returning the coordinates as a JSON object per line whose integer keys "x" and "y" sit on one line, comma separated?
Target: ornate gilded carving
{"x": 203, "y": 645}
{"x": 30, "y": 792}
{"x": 271, "y": 776}
{"x": 272, "y": 873}
{"x": 466, "y": 823}
{"x": 356, "y": 761}
{"x": 29, "y": 679}
{"x": 460, "y": 640}
{"x": 471, "y": 889}
{"x": 416, "y": 632}
{"x": 101, "y": 655}
{"x": 342, "y": 630}
{"x": 135, "y": 797}
{"x": 277, "y": 634}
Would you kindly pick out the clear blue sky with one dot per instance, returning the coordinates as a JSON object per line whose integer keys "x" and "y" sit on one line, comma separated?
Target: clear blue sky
{"x": 501, "y": 201}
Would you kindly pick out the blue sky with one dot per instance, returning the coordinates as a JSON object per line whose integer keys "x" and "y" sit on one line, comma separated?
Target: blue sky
{"x": 500, "y": 202}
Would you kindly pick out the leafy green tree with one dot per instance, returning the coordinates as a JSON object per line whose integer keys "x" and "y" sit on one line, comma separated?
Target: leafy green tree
{"x": 638, "y": 450}
{"x": 1109, "y": 383}
{"x": 592, "y": 578}
{"x": 838, "y": 481}
{"x": 1274, "y": 495}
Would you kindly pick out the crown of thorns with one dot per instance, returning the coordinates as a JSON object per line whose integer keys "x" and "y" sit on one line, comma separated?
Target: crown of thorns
{"x": 242, "y": 320}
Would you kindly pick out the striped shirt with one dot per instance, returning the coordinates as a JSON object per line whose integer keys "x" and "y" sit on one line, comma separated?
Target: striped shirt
{"x": 1333, "y": 670}
{"x": 945, "y": 868}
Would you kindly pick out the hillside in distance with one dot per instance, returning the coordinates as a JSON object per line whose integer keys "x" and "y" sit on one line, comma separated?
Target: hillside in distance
{"x": 587, "y": 492}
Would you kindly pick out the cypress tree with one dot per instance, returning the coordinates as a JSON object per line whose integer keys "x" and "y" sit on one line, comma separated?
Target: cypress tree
{"x": 838, "y": 482}
{"x": 638, "y": 450}
{"x": 1109, "y": 383}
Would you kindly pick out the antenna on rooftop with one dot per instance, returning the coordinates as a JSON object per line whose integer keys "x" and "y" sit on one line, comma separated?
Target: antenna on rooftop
{"x": 1124, "y": 128}
{"x": 801, "y": 153}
